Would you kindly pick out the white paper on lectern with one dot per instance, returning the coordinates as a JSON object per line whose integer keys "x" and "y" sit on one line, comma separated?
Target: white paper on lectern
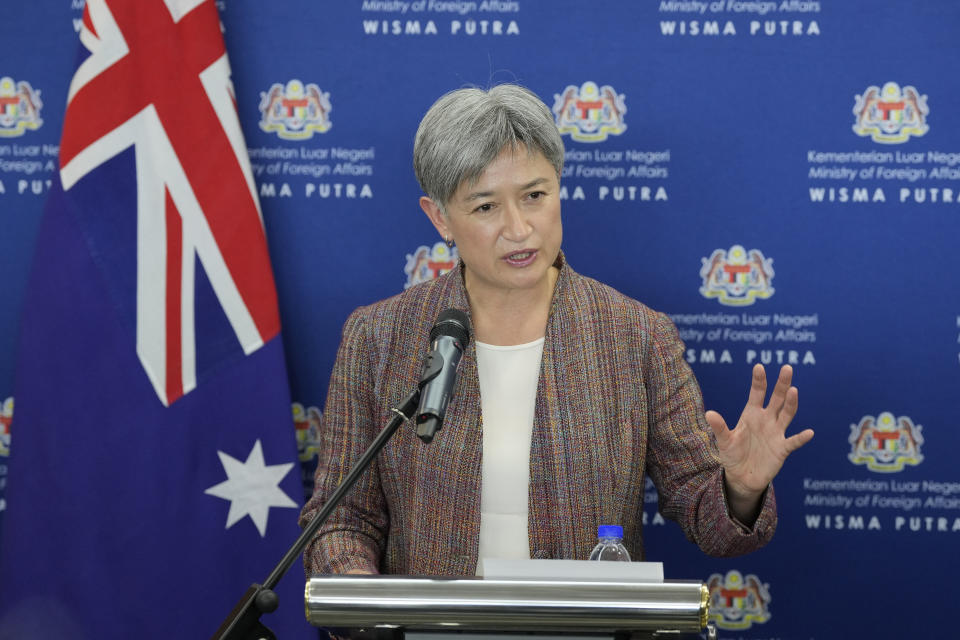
{"x": 573, "y": 570}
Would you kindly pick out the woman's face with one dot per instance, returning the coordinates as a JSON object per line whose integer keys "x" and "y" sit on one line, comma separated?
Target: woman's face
{"x": 506, "y": 224}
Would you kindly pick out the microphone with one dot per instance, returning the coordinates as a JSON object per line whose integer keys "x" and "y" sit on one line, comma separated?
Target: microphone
{"x": 449, "y": 337}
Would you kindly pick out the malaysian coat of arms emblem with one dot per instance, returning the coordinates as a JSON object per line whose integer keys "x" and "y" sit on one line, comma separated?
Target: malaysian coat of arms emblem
{"x": 427, "y": 263}
{"x": 737, "y": 277}
{"x": 6, "y": 419}
{"x": 20, "y": 106}
{"x": 295, "y": 111}
{"x": 590, "y": 113}
{"x": 886, "y": 444}
{"x": 891, "y": 115}
{"x": 738, "y": 601}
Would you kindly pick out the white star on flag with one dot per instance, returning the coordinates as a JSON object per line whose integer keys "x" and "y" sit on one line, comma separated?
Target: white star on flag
{"x": 252, "y": 487}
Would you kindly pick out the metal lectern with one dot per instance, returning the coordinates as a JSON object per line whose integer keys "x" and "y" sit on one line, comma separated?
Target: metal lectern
{"x": 398, "y": 606}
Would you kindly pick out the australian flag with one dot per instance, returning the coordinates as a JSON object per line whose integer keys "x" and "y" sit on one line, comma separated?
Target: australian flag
{"x": 152, "y": 471}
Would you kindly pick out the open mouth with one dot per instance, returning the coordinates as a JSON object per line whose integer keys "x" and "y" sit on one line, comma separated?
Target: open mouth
{"x": 521, "y": 258}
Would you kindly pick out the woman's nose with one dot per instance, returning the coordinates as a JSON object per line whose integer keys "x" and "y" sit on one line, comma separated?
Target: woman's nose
{"x": 515, "y": 225}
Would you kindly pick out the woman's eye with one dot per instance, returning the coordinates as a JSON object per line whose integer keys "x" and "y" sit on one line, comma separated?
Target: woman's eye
{"x": 536, "y": 195}
{"x": 486, "y": 206}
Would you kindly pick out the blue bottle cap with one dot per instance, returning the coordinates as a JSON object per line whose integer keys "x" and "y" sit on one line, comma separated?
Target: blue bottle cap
{"x": 610, "y": 531}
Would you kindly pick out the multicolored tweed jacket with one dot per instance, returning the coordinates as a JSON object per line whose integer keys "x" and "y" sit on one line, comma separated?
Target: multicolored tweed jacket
{"x": 615, "y": 399}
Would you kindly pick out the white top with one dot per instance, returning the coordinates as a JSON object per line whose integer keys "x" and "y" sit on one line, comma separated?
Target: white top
{"x": 508, "y": 392}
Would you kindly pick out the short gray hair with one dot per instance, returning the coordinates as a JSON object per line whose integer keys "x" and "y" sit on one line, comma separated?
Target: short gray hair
{"x": 465, "y": 130}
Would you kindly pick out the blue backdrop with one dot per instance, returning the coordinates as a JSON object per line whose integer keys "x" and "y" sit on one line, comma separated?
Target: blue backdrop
{"x": 782, "y": 178}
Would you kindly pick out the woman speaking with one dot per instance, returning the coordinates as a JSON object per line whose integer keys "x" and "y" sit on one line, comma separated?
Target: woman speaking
{"x": 568, "y": 393}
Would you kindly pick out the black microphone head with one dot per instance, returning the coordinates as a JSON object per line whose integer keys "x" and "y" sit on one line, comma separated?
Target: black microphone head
{"x": 453, "y": 323}
{"x": 427, "y": 428}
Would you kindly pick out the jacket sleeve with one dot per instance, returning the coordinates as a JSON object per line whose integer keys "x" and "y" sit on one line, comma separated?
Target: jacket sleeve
{"x": 354, "y": 535}
{"x": 682, "y": 455}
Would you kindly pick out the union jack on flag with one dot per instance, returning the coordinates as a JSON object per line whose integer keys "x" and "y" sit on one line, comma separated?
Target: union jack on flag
{"x": 193, "y": 199}
{"x": 153, "y": 476}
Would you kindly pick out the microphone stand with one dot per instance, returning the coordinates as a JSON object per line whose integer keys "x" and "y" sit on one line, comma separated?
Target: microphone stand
{"x": 243, "y": 623}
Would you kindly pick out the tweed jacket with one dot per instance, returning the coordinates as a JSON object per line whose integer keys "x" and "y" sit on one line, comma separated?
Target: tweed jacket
{"x": 615, "y": 399}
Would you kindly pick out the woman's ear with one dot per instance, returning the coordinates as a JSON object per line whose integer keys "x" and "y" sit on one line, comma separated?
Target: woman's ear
{"x": 437, "y": 217}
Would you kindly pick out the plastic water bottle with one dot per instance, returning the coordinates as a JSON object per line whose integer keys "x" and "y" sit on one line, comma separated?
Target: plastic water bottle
{"x": 610, "y": 545}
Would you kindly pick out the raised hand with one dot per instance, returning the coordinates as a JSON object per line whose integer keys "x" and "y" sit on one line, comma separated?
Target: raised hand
{"x": 753, "y": 452}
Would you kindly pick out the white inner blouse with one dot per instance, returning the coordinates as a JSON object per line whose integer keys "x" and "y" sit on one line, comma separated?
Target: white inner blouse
{"x": 508, "y": 392}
